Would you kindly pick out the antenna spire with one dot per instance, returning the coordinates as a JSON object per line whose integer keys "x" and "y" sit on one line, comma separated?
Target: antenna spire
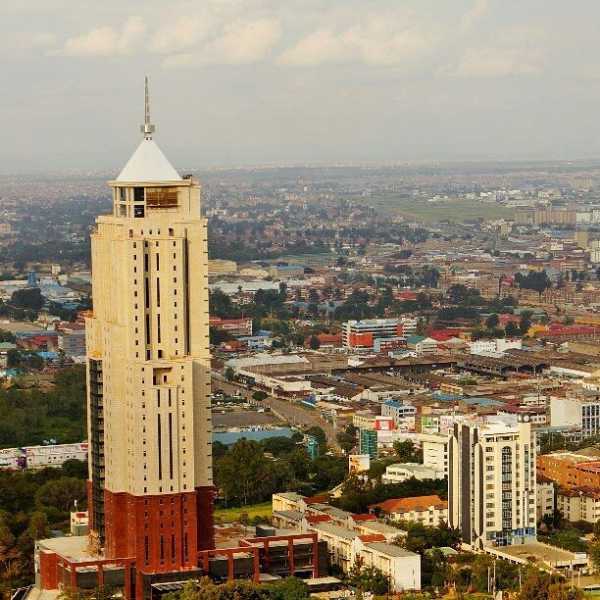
{"x": 147, "y": 128}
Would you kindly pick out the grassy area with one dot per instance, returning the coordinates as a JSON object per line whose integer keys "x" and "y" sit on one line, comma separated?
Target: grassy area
{"x": 230, "y": 515}
{"x": 428, "y": 212}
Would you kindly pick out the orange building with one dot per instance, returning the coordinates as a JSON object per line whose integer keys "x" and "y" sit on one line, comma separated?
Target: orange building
{"x": 569, "y": 470}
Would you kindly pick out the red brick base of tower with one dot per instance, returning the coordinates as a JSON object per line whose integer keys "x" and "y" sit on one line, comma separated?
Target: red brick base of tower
{"x": 167, "y": 539}
{"x": 163, "y": 533}
{"x": 160, "y": 534}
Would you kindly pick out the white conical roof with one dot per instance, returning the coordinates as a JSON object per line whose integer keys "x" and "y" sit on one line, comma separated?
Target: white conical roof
{"x": 148, "y": 163}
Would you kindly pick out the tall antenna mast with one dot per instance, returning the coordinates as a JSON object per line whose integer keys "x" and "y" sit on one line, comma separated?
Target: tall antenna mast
{"x": 147, "y": 128}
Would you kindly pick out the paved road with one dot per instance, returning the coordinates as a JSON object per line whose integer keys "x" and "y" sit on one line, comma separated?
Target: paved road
{"x": 303, "y": 418}
{"x": 289, "y": 411}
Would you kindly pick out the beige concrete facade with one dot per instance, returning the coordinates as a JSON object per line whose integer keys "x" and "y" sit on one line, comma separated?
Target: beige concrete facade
{"x": 150, "y": 330}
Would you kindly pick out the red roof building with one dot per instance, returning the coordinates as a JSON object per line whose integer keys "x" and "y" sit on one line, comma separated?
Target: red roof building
{"x": 428, "y": 510}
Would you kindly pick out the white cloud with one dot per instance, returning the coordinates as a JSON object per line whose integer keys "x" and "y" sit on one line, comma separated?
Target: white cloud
{"x": 379, "y": 39}
{"x": 519, "y": 50}
{"x": 499, "y": 62}
{"x": 239, "y": 42}
{"x": 107, "y": 41}
{"x": 244, "y": 42}
{"x": 183, "y": 33}
{"x": 315, "y": 48}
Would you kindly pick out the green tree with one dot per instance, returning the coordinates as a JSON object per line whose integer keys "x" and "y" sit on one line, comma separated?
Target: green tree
{"x": 57, "y": 497}
{"x": 492, "y": 321}
{"x": 205, "y": 588}
{"x": 525, "y": 322}
{"x": 245, "y": 475}
{"x": 318, "y": 433}
{"x": 300, "y": 463}
{"x": 259, "y": 396}
{"x": 594, "y": 547}
{"x": 278, "y": 445}
{"x": 229, "y": 374}
{"x": 534, "y": 280}
{"x": 290, "y": 588}
{"x": 347, "y": 438}
{"x": 538, "y": 585}
{"x": 221, "y": 305}
{"x": 421, "y": 537}
{"x": 368, "y": 579}
{"x": 7, "y": 336}
{"x": 218, "y": 336}
{"x": 407, "y": 451}
{"x": 511, "y": 330}
{"x": 328, "y": 471}
{"x": 435, "y": 570}
{"x": 314, "y": 342}
{"x": 9, "y": 557}
{"x": 28, "y": 298}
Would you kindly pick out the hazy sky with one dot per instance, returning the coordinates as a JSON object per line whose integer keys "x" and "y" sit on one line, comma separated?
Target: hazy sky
{"x": 252, "y": 82}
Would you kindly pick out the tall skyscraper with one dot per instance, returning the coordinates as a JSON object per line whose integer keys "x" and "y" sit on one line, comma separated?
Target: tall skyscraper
{"x": 491, "y": 484}
{"x": 150, "y": 485}
{"x": 149, "y": 422}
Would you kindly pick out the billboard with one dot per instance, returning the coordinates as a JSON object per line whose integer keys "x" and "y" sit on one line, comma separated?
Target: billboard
{"x": 357, "y": 463}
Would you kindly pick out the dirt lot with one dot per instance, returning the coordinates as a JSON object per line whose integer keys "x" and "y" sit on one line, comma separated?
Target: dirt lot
{"x": 243, "y": 418}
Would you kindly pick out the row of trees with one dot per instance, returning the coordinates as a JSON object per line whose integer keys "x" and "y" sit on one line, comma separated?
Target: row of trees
{"x": 32, "y": 503}
{"x": 206, "y": 589}
{"x": 358, "y": 494}
{"x": 245, "y": 475}
{"x": 31, "y": 416}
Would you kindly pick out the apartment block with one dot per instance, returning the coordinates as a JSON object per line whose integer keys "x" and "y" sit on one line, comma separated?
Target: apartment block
{"x": 570, "y": 470}
{"x": 491, "y": 483}
{"x": 346, "y": 547}
{"x": 579, "y": 504}
{"x": 545, "y": 497}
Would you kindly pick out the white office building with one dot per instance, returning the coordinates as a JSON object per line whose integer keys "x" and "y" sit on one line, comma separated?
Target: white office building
{"x": 491, "y": 483}
{"x": 345, "y": 548}
{"x": 580, "y": 412}
{"x": 362, "y": 334}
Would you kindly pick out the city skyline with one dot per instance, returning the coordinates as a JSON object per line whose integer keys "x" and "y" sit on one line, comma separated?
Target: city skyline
{"x": 303, "y": 83}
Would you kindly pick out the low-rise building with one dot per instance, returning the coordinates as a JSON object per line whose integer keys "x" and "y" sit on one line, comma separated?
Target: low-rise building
{"x": 579, "y": 504}
{"x": 363, "y": 420}
{"x": 40, "y": 457}
{"x": 544, "y": 496}
{"x": 371, "y": 526}
{"x": 346, "y": 547}
{"x": 421, "y": 344}
{"x": 399, "y": 472}
{"x": 426, "y": 510}
{"x": 235, "y": 327}
{"x": 5, "y": 348}
{"x": 401, "y": 566}
{"x": 403, "y": 413}
{"x": 569, "y": 469}
{"x": 71, "y": 340}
